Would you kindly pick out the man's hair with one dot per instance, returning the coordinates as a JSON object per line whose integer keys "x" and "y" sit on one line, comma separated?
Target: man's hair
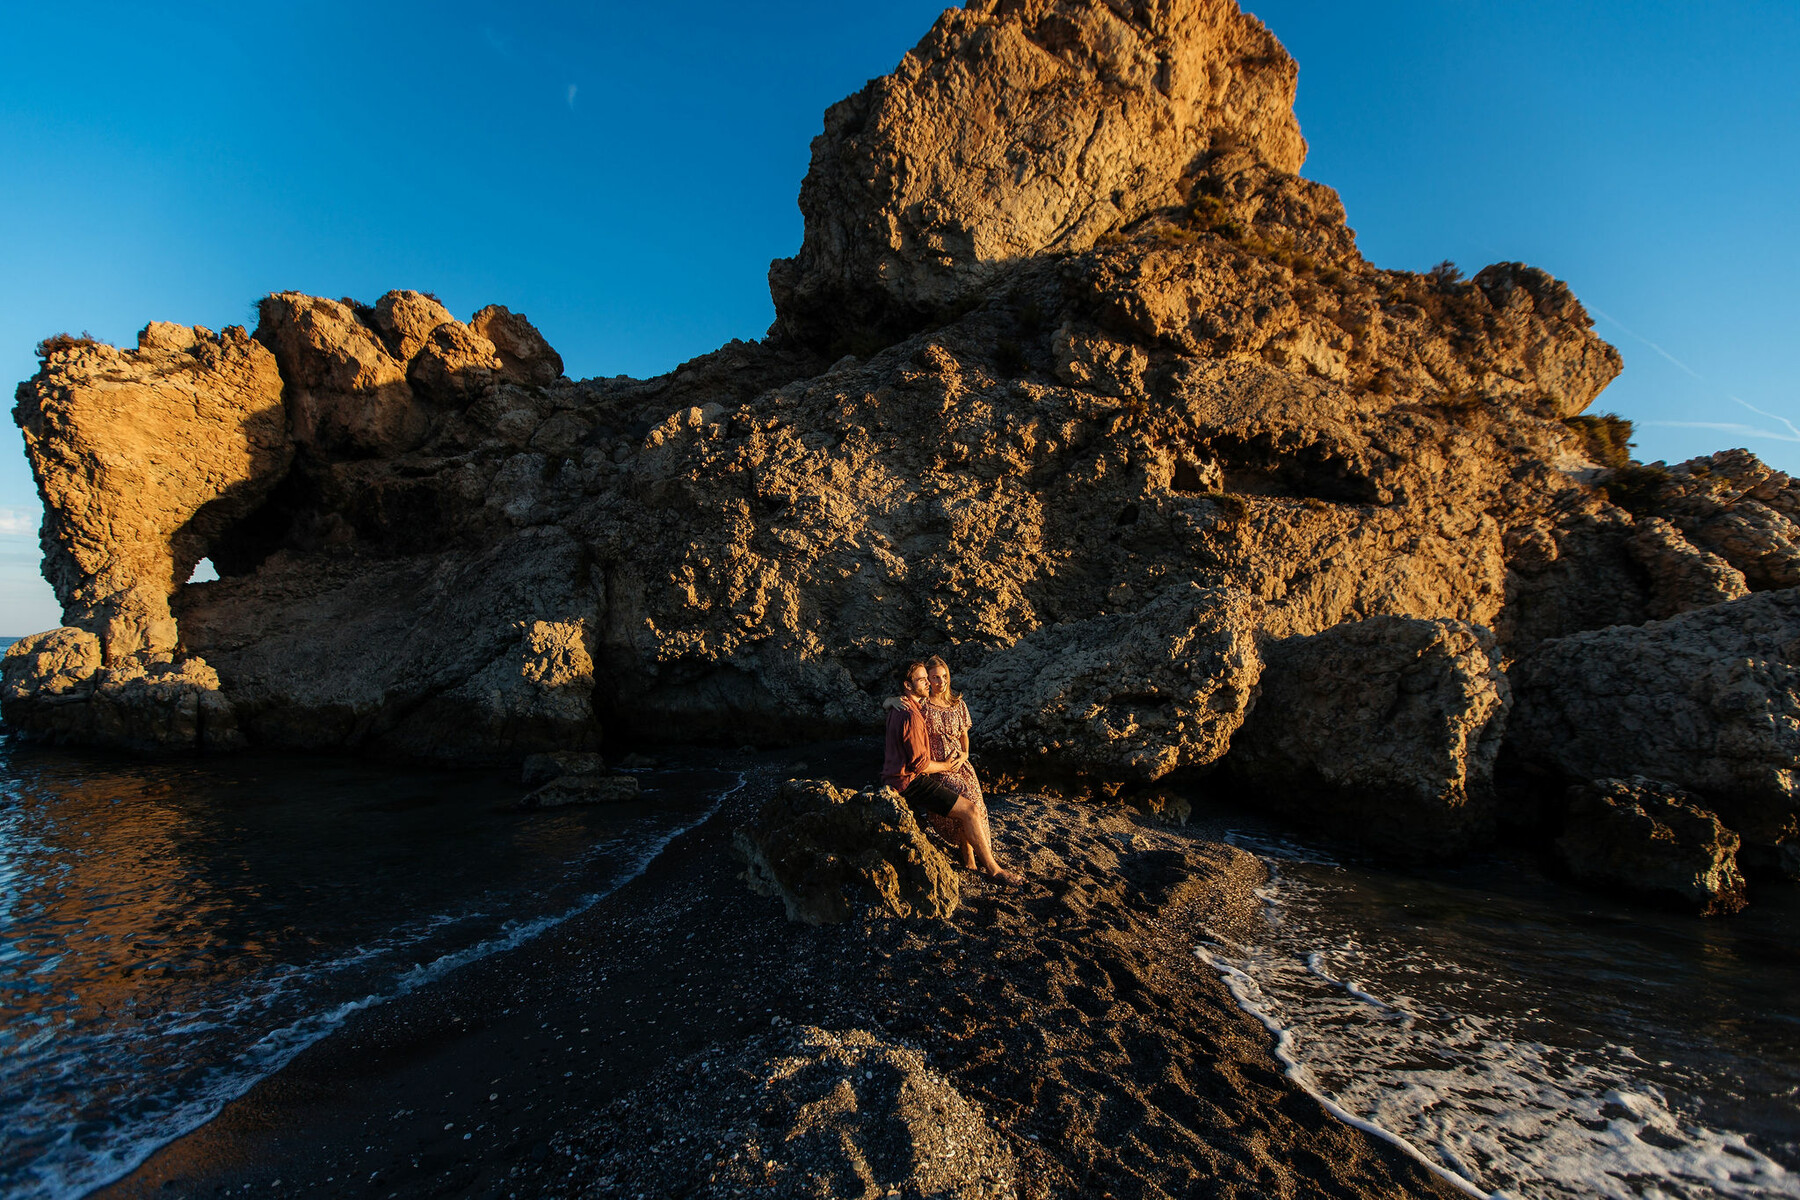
{"x": 905, "y": 674}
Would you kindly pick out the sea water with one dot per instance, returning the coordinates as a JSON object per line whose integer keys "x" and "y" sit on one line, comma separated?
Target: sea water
{"x": 1525, "y": 1038}
{"x": 170, "y": 934}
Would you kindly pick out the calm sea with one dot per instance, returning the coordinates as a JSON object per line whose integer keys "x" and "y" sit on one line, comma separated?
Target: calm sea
{"x": 172, "y": 933}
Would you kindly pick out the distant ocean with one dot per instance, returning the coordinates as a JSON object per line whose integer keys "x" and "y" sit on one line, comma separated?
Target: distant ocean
{"x": 171, "y": 933}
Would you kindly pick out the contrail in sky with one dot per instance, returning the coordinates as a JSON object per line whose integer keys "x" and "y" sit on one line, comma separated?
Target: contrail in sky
{"x": 1638, "y": 338}
{"x": 1793, "y": 431}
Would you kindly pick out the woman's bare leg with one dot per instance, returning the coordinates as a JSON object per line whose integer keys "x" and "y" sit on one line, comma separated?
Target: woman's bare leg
{"x": 975, "y": 837}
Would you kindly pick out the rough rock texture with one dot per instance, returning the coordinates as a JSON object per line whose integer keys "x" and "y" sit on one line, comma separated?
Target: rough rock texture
{"x": 1708, "y": 701}
{"x": 822, "y": 849}
{"x": 450, "y": 657}
{"x": 1104, "y": 345}
{"x": 1652, "y": 840}
{"x": 143, "y": 458}
{"x": 1014, "y": 129}
{"x": 1135, "y": 695}
{"x": 55, "y": 686}
{"x": 1384, "y": 730}
{"x": 802, "y": 1112}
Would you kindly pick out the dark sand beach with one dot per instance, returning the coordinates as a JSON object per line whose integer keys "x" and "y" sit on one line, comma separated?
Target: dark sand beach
{"x": 1070, "y": 1013}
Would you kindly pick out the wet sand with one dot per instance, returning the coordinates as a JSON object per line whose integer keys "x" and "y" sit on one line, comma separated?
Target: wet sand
{"x": 1070, "y": 1012}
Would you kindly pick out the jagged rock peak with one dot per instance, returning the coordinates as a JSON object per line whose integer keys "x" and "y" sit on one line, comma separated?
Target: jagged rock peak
{"x": 1017, "y": 127}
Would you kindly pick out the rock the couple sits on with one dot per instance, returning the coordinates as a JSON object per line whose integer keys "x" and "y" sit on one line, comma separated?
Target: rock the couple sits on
{"x": 927, "y": 762}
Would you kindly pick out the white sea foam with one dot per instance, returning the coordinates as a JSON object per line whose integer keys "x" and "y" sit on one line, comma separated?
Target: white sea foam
{"x": 67, "y": 1170}
{"x": 1477, "y": 1093}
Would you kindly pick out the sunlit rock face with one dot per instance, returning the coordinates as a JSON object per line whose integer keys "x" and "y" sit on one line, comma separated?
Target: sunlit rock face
{"x": 1073, "y": 381}
{"x": 1016, "y": 128}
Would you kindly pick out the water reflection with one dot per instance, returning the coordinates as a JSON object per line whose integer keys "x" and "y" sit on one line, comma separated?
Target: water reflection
{"x": 169, "y": 932}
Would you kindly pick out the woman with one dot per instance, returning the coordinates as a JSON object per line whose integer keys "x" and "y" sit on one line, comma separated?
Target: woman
{"x": 948, "y": 722}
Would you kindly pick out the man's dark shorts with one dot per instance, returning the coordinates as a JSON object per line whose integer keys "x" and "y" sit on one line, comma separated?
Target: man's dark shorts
{"x": 929, "y": 793}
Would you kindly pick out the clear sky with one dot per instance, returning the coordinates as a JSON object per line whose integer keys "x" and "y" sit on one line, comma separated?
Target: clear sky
{"x": 623, "y": 174}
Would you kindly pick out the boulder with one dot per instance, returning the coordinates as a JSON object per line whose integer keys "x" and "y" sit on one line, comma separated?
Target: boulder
{"x": 1128, "y": 696}
{"x": 1385, "y": 730}
{"x": 454, "y": 364}
{"x": 1651, "y": 840}
{"x": 406, "y": 320}
{"x": 525, "y": 357}
{"x": 348, "y": 393}
{"x": 1708, "y": 700}
{"x": 1729, "y": 504}
{"x": 799, "y": 1112}
{"x": 540, "y": 769}
{"x": 587, "y": 788}
{"x": 821, "y": 849}
{"x": 45, "y": 666}
{"x": 1682, "y": 575}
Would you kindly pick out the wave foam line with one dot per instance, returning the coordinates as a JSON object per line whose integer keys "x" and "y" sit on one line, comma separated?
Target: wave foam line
{"x": 282, "y": 1045}
{"x": 1240, "y": 985}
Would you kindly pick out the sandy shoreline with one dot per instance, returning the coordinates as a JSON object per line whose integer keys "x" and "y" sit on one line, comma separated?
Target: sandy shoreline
{"x": 1071, "y": 1013}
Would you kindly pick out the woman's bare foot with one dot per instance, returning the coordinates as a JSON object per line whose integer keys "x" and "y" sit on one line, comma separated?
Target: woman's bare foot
{"x": 1002, "y": 875}
{"x": 968, "y": 857}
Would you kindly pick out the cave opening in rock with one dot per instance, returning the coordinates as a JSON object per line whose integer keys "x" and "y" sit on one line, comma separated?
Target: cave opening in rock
{"x": 204, "y": 572}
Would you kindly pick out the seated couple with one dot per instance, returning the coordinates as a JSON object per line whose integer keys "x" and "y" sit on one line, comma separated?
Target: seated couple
{"x": 928, "y": 764}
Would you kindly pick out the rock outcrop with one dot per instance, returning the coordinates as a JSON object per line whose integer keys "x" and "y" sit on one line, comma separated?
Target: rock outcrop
{"x": 1017, "y": 129}
{"x": 144, "y": 459}
{"x": 1708, "y": 701}
{"x": 1651, "y": 840}
{"x": 1384, "y": 730}
{"x": 1073, "y": 380}
{"x": 821, "y": 849}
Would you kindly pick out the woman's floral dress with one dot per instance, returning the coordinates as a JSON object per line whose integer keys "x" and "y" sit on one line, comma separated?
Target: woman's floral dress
{"x": 946, "y": 727}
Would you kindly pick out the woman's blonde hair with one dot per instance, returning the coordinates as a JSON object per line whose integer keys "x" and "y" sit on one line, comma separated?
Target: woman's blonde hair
{"x": 933, "y": 662}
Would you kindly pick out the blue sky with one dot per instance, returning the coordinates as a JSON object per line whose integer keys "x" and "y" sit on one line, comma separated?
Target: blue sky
{"x": 624, "y": 174}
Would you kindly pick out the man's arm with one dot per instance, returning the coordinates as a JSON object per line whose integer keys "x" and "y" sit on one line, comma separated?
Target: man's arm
{"x": 916, "y": 744}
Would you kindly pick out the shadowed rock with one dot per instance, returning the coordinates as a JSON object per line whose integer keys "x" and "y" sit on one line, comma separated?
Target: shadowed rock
{"x": 1132, "y": 696}
{"x": 1384, "y": 730}
{"x": 821, "y": 848}
{"x": 1708, "y": 700}
{"x": 1652, "y": 840}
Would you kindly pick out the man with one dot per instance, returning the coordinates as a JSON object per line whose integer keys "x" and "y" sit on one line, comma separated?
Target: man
{"x": 909, "y": 769}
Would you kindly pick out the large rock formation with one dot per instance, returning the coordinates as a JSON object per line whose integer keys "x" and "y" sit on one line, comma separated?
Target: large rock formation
{"x": 1125, "y": 402}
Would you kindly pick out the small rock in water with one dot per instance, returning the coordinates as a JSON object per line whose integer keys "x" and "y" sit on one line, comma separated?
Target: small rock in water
{"x": 1653, "y": 840}
{"x": 583, "y": 789}
{"x": 542, "y": 768}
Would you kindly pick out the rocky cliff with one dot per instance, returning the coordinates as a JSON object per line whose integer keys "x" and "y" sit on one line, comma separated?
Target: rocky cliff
{"x": 1073, "y": 380}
